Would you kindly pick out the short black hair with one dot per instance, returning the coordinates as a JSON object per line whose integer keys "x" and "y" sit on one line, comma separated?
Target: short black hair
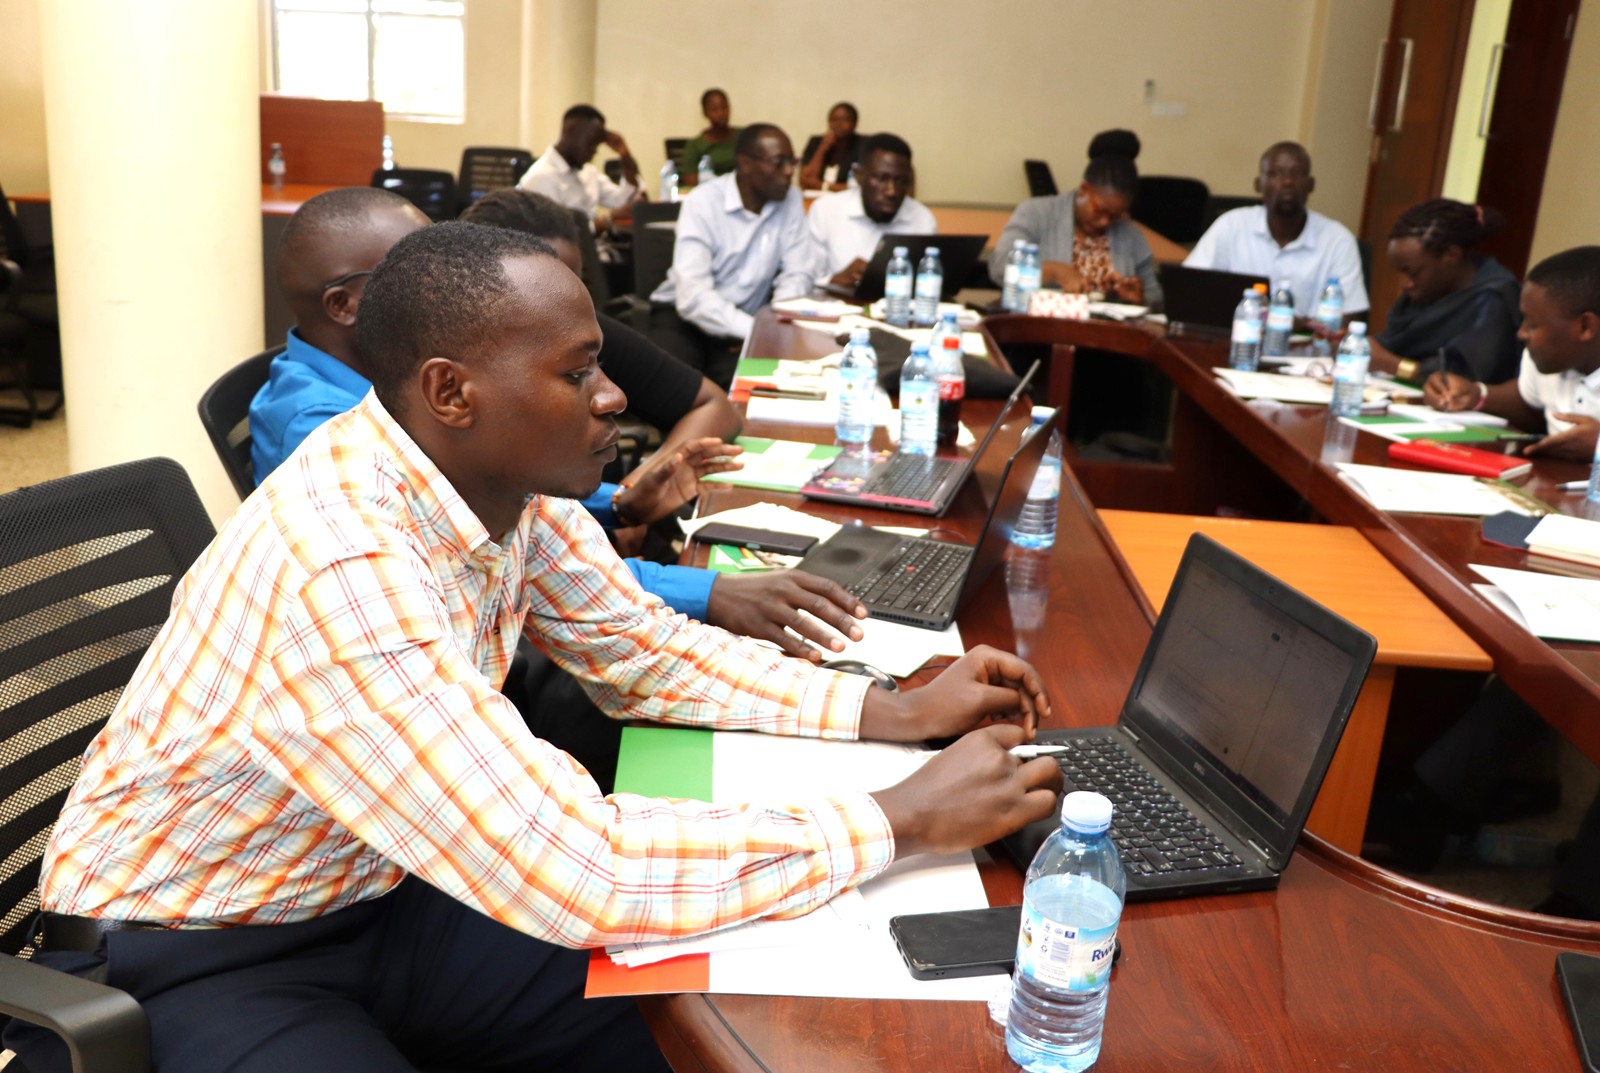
{"x": 440, "y": 291}
{"x": 1572, "y": 279}
{"x": 705, "y": 97}
{"x": 1118, "y": 142}
{"x": 337, "y": 211}
{"x": 746, "y": 143}
{"x": 885, "y": 143}
{"x": 583, "y": 111}
{"x": 520, "y": 210}
{"x": 855, "y": 116}
{"x": 1285, "y": 147}
{"x": 1112, "y": 172}
{"x": 1440, "y": 223}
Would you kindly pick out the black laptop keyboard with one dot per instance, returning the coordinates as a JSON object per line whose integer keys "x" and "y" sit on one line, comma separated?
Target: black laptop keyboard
{"x": 918, "y": 576}
{"x": 909, "y": 477}
{"x": 1154, "y": 831}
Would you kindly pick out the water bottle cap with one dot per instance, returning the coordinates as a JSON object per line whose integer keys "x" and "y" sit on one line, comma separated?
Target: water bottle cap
{"x": 901, "y": 251}
{"x": 931, "y": 251}
{"x": 1250, "y": 292}
{"x": 860, "y": 336}
{"x": 1086, "y": 812}
{"x": 922, "y": 346}
{"x": 1019, "y": 244}
{"x": 1358, "y": 327}
{"x": 1259, "y": 288}
{"x": 1333, "y": 281}
{"x": 1041, "y": 414}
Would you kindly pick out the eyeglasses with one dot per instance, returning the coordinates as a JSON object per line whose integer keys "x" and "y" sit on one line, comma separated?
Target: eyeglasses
{"x": 346, "y": 278}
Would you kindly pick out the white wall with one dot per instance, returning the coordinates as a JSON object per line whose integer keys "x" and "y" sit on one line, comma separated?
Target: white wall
{"x": 1569, "y": 213}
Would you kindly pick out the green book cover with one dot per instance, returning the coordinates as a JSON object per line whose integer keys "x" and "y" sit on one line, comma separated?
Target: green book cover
{"x": 662, "y": 762}
{"x": 1470, "y": 434}
{"x": 775, "y": 475}
{"x": 756, "y": 367}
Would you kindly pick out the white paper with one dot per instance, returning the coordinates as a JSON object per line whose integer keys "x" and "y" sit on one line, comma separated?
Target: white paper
{"x": 1117, "y": 310}
{"x": 1552, "y": 606}
{"x": 1416, "y": 492}
{"x": 779, "y": 519}
{"x": 841, "y": 919}
{"x": 818, "y": 307}
{"x": 893, "y": 647}
{"x": 785, "y": 462}
{"x": 824, "y": 412}
{"x": 1562, "y": 533}
{"x": 1447, "y": 418}
{"x": 1398, "y": 432}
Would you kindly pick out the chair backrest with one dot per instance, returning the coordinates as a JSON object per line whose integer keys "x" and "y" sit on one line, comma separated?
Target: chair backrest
{"x": 87, "y": 568}
{"x": 486, "y": 168}
{"x": 675, "y": 149}
{"x": 653, "y": 240}
{"x": 1040, "y": 182}
{"x": 434, "y": 192}
{"x": 1172, "y": 206}
{"x": 594, "y": 272}
{"x": 225, "y": 412}
{"x": 1217, "y": 204}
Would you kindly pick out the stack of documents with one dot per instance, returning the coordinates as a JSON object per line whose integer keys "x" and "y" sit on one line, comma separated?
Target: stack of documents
{"x": 1548, "y": 605}
{"x": 1302, "y": 390}
{"x": 1405, "y": 422}
{"x": 1416, "y": 492}
{"x": 1561, "y": 536}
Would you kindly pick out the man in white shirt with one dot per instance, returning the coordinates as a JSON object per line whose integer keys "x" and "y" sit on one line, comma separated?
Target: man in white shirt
{"x": 1282, "y": 239}
{"x": 741, "y": 239}
{"x": 845, "y": 227}
{"x": 564, "y": 175}
{"x": 1557, "y": 390}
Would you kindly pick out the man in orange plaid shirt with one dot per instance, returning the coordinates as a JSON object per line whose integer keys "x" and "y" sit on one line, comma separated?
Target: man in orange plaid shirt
{"x": 313, "y": 834}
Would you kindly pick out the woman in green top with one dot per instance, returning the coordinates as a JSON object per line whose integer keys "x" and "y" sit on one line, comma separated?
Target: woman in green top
{"x": 716, "y": 141}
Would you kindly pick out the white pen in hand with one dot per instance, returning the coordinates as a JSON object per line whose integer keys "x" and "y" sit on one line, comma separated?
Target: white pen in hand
{"x": 1029, "y": 752}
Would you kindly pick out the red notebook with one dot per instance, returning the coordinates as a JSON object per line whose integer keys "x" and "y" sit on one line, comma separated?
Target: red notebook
{"x": 1459, "y": 459}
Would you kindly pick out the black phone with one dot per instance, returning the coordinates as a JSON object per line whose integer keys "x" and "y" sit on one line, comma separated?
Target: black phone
{"x": 740, "y": 536}
{"x": 962, "y": 942}
{"x": 1580, "y": 986}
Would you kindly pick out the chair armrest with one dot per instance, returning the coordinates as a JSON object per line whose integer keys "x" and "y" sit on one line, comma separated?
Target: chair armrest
{"x": 104, "y": 1028}
{"x": 11, "y": 273}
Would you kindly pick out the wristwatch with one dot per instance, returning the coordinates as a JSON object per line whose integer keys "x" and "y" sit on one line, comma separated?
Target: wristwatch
{"x": 1406, "y": 370}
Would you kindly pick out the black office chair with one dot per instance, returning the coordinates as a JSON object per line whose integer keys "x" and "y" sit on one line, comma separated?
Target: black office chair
{"x": 1040, "y": 182}
{"x": 434, "y": 192}
{"x": 15, "y": 373}
{"x": 75, "y": 624}
{"x": 30, "y": 327}
{"x": 654, "y": 234}
{"x": 225, "y": 413}
{"x": 1217, "y": 204}
{"x": 1173, "y": 206}
{"x": 674, "y": 148}
{"x": 485, "y": 168}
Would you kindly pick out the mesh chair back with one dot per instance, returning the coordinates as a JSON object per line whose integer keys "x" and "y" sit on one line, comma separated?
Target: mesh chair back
{"x": 654, "y": 233}
{"x": 225, "y": 413}
{"x": 1172, "y": 205}
{"x": 484, "y": 168}
{"x": 434, "y": 192}
{"x": 1217, "y": 204}
{"x": 87, "y": 568}
{"x": 1040, "y": 182}
{"x": 675, "y": 149}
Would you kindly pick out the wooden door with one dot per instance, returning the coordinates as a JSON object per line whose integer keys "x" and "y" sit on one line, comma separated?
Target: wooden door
{"x": 1533, "y": 65}
{"x": 1417, "y": 71}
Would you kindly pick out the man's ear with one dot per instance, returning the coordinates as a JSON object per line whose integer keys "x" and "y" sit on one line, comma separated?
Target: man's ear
{"x": 1311, "y": 185}
{"x": 1258, "y": 184}
{"x": 1587, "y": 327}
{"x": 339, "y": 305}
{"x": 443, "y": 390}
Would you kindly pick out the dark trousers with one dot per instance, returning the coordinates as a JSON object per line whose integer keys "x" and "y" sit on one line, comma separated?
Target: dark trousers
{"x": 715, "y": 358}
{"x": 410, "y": 981}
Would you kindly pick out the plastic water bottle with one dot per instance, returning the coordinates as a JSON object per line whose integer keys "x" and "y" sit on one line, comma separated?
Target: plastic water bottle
{"x": 947, "y": 324}
{"x": 858, "y": 388}
{"x": 1036, "y": 527}
{"x": 930, "y": 286}
{"x": 705, "y": 174}
{"x": 1350, "y": 371}
{"x": 919, "y": 402}
{"x": 897, "y": 289}
{"x": 1330, "y": 315}
{"x": 1071, "y": 902}
{"x": 276, "y": 167}
{"x": 1594, "y": 476}
{"x": 952, "y": 388}
{"x": 669, "y": 182}
{"x": 1011, "y": 290}
{"x": 1245, "y": 351}
{"x": 388, "y": 153}
{"x": 1280, "y": 322}
{"x": 1031, "y": 278}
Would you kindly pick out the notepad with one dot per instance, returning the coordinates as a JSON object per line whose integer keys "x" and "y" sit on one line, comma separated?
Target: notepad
{"x": 1417, "y": 492}
{"x": 1550, "y": 605}
{"x": 776, "y": 465}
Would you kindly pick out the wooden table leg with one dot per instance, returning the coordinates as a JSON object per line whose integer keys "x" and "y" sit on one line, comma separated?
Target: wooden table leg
{"x": 1340, "y": 814}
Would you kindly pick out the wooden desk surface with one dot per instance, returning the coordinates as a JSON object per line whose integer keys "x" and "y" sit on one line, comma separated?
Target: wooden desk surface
{"x": 1332, "y": 564}
{"x": 1343, "y": 967}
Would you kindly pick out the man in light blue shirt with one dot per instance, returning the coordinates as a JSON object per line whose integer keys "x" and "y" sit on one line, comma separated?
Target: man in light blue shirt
{"x": 1282, "y": 239}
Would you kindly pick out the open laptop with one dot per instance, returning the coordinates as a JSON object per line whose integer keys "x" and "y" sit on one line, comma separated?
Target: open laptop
{"x": 958, "y": 252}
{"x": 923, "y": 582}
{"x": 1202, "y": 299}
{"x": 920, "y": 484}
{"x": 1227, "y": 731}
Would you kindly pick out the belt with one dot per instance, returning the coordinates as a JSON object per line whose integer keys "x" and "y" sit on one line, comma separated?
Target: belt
{"x": 62, "y": 931}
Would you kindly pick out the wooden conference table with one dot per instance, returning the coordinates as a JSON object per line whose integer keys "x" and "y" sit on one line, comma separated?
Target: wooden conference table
{"x": 1345, "y": 966}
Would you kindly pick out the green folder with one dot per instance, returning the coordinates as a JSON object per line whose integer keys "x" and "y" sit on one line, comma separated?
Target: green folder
{"x": 661, "y": 762}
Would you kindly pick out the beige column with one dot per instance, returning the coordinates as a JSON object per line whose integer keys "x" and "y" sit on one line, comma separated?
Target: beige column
{"x": 558, "y": 44}
{"x": 152, "y": 117}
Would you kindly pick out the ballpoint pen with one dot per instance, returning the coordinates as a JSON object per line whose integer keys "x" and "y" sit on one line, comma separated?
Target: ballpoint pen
{"x": 1029, "y": 752}
{"x": 1573, "y": 486}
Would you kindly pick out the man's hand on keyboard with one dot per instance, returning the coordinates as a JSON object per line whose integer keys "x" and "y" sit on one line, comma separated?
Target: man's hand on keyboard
{"x": 970, "y": 794}
{"x": 761, "y": 605}
{"x": 984, "y": 684}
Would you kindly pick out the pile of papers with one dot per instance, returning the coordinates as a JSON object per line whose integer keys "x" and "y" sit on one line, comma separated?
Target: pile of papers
{"x": 1405, "y": 422}
{"x": 776, "y": 465}
{"x": 1547, "y": 605}
{"x": 1416, "y": 492}
{"x": 1561, "y": 536}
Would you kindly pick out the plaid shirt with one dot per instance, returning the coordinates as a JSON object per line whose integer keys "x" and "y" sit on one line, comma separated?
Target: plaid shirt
{"x": 319, "y": 716}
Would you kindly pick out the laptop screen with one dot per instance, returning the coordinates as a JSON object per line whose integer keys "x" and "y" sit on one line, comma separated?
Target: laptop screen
{"x": 1246, "y": 685}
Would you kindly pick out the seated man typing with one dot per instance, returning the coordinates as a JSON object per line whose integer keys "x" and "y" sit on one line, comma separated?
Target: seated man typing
{"x": 313, "y": 833}
{"x": 845, "y": 227}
